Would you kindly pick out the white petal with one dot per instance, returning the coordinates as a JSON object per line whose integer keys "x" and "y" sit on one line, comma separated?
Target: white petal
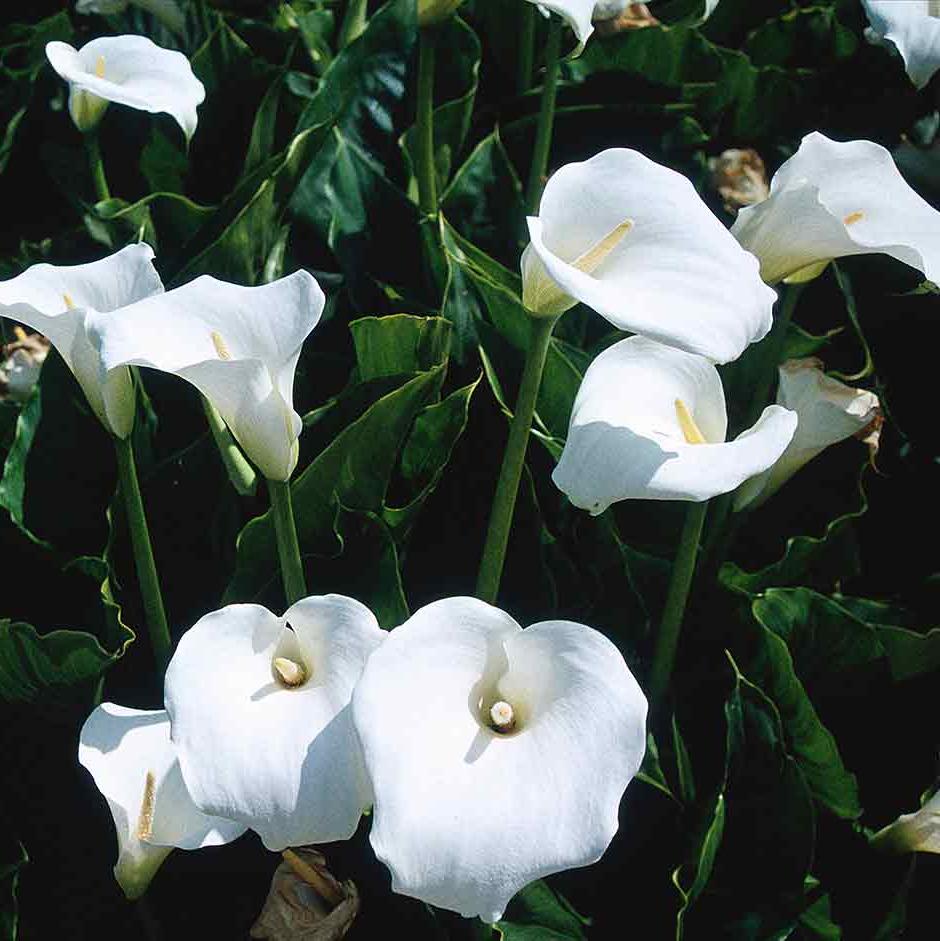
{"x": 576, "y": 13}
{"x": 676, "y": 275}
{"x": 238, "y": 345}
{"x": 283, "y": 761}
{"x": 56, "y": 300}
{"x": 464, "y": 816}
{"x": 137, "y": 73}
{"x": 829, "y": 412}
{"x": 122, "y": 748}
{"x": 833, "y": 199}
{"x": 625, "y": 440}
{"x": 913, "y": 26}
{"x": 913, "y": 833}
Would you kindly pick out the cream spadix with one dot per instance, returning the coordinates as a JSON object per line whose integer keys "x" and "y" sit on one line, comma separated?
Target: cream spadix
{"x": 129, "y": 754}
{"x": 633, "y": 240}
{"x": 238, "y": 345}
{"x": 260, "y": 717}
{"x": 498, "y": 755}
{"x": 649, "y": 423}
{"x": 58, "y": 301}
{"x": 834, "y": 199}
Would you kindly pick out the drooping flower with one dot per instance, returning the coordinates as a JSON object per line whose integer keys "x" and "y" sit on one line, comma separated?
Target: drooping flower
{"x": 913, "y": 27}
{"x": 129, "y": 754}
{"x": 238, "y": 345}
{"x": 649, "y": 423}
{"x": 497, "y": 755}
{"x": 740, "y": 178}
{"x": 829, "y": 412}
{"x": 913, "y": 833}
{"x": 261, "y": 721}
{"x": 833, "y": 199}
{"x": 633, "y": 240}
{"x": 167, "y": 11}
{"x": 128, "y": 70}
{"x": 57, "y": 300}
{"x": 576, "y": 13}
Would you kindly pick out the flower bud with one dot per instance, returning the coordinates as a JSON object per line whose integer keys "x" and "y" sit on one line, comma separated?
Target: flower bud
{"x": 433, "y": 12}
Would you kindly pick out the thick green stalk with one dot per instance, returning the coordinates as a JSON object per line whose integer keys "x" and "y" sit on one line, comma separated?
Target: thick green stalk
{"x": 667, "y": 641}
{"x": 240, "y": 472}
{"x": 543, "y": 134}
{"x": 526, "y": 48}
{"x": 507, "y": 487}
{"x": 154, "y": 611}
{"x": 96, "y": 165}
{"x": 354, "y": 22}
{"x": 288, "y": 549}
{"x": 426, "y": 170}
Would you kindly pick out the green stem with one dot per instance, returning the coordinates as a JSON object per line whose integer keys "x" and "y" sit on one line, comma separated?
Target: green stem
{"x": 143, "y": 553}
{"x": 543, "y": 134}
{"x": 507, "y": 487}
{"x": 667, "y": 641}
{"x": 288, "y": 549}
{"x": 526, "y": 48}
{"x": 96, "y": 164}
{"x": 354, "y": 22}
{"x": 240, "y": 472}
{"x": 426, "y": 171}
{"x": 724, "y": 524}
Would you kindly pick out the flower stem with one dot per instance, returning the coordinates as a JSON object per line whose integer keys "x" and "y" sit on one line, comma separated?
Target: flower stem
{"x": 288, "y": 549}
{"x": 354, "y": 22}
{"x": 543, "y": 133}
{"x": 93, "y": 146}
{"x": 143, "y": 553}
{"x": 240, "y": 472}
{"x": 680, "y": 582}
{"x": 526, "y": 48}
{"x": 426, "y": 170}
{"x": 507, "y": 487}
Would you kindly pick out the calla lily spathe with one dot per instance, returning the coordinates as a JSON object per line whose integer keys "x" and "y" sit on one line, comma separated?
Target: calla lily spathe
{"x": 497, "y": 755}
{"x": 261, "y": 721}
{"x": 128, "y": 70}
{"x": 238, "y": 345}
{"x": 913, "y": 28}
{"x": 129, "y": 754}
{"x": 576, "y": 13}
{"x": 649, "y": 423}
{"x": 57, "y": 300}
{"x": 833, "y": 199}
{"x": 913, "y": 833}
{"x": 633, "y": 240}
{"x": 829, "y": 412}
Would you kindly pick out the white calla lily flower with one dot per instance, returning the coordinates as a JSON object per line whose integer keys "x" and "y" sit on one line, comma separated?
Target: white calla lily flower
{"x": 913, "y": 28}
{"x": 128, "y": 70}
{"x": 833, "y": 199}
{"x": 633, "y": 240}
{"x": 649, "y": 423}
{"x": 913, "y": 833}
{"x": 498, "y": 755}
{"x": 57, "y": 300}
{"x": 261, "y": 720}
{"x": 829, "y": 412}
{"x": 129, "y": 754}
{"x": 576, "y": 13}
{"x": 167, "y": 11}
{"x": 238, "y": 345}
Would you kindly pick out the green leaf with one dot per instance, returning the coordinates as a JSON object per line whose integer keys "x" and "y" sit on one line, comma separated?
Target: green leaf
{"x": 13, "y": 481}
{"x": 537, "y": 913}
{"x": 398, "y": 344}
{"x": 700, "y": 869}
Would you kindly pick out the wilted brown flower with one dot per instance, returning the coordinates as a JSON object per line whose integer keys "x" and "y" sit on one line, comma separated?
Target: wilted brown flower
{"x": 740, "y": 178}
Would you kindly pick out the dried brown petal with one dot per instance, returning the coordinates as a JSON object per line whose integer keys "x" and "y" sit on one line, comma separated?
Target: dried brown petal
{"x": 740, "y": 178}
{"x": 297, "y": 911}
{"x": 635, "y": 16}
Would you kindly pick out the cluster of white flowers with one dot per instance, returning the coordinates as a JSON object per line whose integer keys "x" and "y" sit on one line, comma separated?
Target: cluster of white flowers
{"x": 465, "y": 732}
